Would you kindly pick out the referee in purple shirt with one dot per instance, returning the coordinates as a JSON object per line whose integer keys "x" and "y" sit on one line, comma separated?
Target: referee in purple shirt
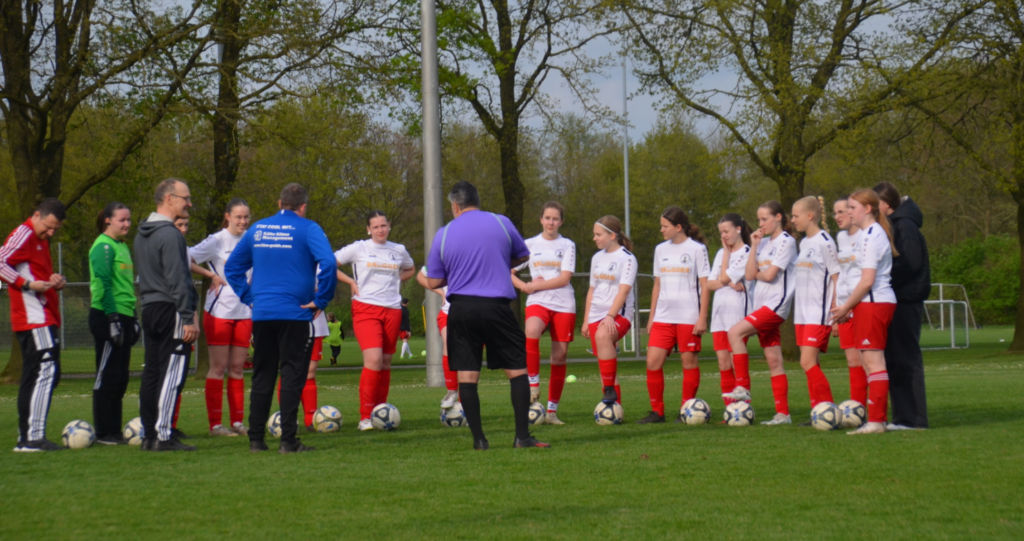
{"x": 472, "y": 255}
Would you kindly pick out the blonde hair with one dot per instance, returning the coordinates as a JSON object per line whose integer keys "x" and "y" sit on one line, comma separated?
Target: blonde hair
{"x": 869, "y": 198}
{"x": 816, "y": 206}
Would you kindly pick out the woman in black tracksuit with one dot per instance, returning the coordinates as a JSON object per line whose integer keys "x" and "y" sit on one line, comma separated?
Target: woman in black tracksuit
{"x": 911, "y": 281}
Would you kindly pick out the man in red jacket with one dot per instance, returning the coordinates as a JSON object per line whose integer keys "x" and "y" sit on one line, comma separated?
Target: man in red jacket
{"x": 26, "y": 266}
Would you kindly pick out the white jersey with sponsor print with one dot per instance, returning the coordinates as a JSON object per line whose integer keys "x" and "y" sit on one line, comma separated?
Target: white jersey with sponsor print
{"x": 846, "y": 244}
{"x": 376, "y": 269}
{"x": 872, "y": 251}
{"x": 214, "y": 252}
{"x": 320, "y": 329}
{"x": 731, "y": 306}
{"x": 777, "y": 294}
{"x": 445, "y": 305}
{"x": 679, "y": 268}
{"x": 817, "y": 263}
{"x": 607, "y": 272}
{"x": 548, "y": 259}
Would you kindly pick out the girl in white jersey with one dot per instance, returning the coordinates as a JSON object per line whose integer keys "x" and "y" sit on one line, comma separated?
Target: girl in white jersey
{"x": 773, "y": 268}
{"x": 817, "y": 269}
{"x": 609, "y": 310}
{"x": 679, "y": 307}
{"x": 227, "y": 322}
{"x": 871, "y": 302}
{"x": 733, "y": 293}
{"x": 451, "y": 377}
{"x": 846, "y": 240}
{"x": 379, "y": 266}
{"x": 550, "y": 304}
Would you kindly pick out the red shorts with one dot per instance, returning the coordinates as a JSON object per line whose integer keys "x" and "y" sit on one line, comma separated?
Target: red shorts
{"x": 227, "y": 332}
{"x": 442, "y": 321}
{"x": 621, "y": 324}
{"x": 667, "y": 335}
{"x": 318, "y": 349}
{"x": 767, "y": 324}
{"x": 404, "y": 335}
{"x": 721, "y": 341}
{"x": 561, "y": 325}
{"x": 814, "y": 335}
{"x": 376, "y": 326}
{"x": 871, "y": 324}
{"x": 846, "y": 338}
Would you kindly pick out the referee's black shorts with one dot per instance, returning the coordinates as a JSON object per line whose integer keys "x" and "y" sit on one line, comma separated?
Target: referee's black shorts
{"x": 476, "y": 321}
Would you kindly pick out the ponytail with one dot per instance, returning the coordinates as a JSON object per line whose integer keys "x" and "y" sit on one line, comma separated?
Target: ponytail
{"x": 106, "y": 214}
{"x": 869, "y": 198}
{"x": 821, "y": 212}
{"x": 738, "y": 221}
{"x": 676, "y": 216}
{"x": 612, "y": 224}
{"x": 776, "y": 209}
{"x": 816, "y": 206}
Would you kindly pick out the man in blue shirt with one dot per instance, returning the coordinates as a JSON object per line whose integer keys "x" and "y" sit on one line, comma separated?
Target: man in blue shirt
{"x": 283, "y": 252}
{"x": 473, "y": 255}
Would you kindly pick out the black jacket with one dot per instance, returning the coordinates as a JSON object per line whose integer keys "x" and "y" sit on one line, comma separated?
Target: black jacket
{"x": 162, "y": 264}
{"x": 911, "y": 274}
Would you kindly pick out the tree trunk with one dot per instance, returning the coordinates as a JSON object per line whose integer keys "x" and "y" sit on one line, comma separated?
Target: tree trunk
{"x": 226, "y": 116}
{"x": 1017, "y": 151}
{"x": 791, "y": 188}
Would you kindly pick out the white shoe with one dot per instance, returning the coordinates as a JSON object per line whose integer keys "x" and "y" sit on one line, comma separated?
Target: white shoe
{"x": 239, "y": 428}
{"x": 869, "y": 428}
{"x": 534, "y": 394}
{"x": 449, "y": 399}
{"x": 779, "y": 419}
{"x": 219, "y": 430}
{"x": 365, "y": 425}
{"x": 552, "y": 419}
{"x": 890, "y": 427}
{"x": 739, "y": 394}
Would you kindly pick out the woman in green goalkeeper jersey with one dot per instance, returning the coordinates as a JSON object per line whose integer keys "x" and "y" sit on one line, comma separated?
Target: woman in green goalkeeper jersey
{"x": 112, "y": 319}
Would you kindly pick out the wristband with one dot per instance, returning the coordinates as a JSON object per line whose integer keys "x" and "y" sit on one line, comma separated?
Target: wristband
{"x": 26, "y": 286}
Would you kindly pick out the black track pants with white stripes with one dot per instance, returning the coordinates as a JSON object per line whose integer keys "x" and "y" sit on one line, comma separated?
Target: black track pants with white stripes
{"x": 40, "y": 374}
{"x": 112, "y": 363}
{"x": 166, "y": 361}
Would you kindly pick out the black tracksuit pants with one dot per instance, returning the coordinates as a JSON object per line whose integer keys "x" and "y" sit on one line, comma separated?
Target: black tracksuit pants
{"x": 112, "y": 363}
{"x": 167, "y": 357}
{"x": 905, "y": 365}
{"x": 285, "y": 346}
{"x": 40, "y": 374}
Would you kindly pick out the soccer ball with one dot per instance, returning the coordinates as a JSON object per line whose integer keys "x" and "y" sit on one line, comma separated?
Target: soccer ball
{"x": 825, "y": 416}
{"x": 327, "y": 419}
{"x": 739, "y": 414}
{"x": 695, "y": 412}
{"x": 133, "y": 433}
{"x": 274, "y": 424}
{"x": 385, "y": 417}
{"x": 78, "y": 435}
{"x": 537, "y": 413}
{"x": 454, "y": 416}
{"x": 852, "y": 414}
{"x": 608, "y": 414}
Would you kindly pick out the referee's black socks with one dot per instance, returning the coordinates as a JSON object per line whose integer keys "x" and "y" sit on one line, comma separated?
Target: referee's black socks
{"x": 471, "y": 406}
{"x": 521, "y": 405}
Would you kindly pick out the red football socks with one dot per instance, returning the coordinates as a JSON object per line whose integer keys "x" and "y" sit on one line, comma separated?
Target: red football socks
{"x": 309, "y": 399}
{"x": 859, "y": 385}
{"x": 533, "y": 361}
{"x": 728, "y": 384}
{"x": 741, "y": 366}
{"x": 780, "y": 388}
{"x": 618, "y": 393}
{"x": 214, "y": 401}
{"x": 236, "y": 400}
{"x": 608, "y": 368}
{"x": 451, "y": 378}
{"x": 878, "y": 403}
{"x": 691, "y": 382}
{"x": 817, "y": 385}
{"x": 556, "y": 383}
{"x": 368, "y": 392}
{"x": 656, "y": 389}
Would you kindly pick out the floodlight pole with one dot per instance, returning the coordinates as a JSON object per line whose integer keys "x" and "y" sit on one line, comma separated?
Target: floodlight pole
{"x": 432, "y": 213}
{"x": 625, "y": 139}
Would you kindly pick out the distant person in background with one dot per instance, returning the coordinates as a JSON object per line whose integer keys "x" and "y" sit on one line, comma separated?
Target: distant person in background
{"x": 912, "y": 282}
{"x": 168, "y": 314}
{"x": 25, "y": 265}
{"x": 405, "y": 329}
{"x": 112, "y": 320}
{"x": 335, "y": 336}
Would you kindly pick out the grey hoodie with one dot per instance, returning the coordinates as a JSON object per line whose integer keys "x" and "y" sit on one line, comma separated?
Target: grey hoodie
{"x": 161, "y": 259}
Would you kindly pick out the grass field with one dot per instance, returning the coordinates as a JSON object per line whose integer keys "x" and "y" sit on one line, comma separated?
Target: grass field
{"x": 963, "y": 478}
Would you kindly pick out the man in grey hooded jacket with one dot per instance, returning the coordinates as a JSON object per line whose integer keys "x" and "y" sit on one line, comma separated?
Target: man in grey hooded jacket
{"x": 168, "y": 301}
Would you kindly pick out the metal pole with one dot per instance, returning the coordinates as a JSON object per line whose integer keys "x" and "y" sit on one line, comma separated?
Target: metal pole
{"x": 625, "y": 139}
{"x": 942, "y": 313}
{"x": 432, "y": 213}
{"x": 60, "y": 271}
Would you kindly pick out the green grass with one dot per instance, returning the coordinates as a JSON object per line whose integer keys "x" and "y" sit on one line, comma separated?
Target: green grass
{"x": 964, "y": 478}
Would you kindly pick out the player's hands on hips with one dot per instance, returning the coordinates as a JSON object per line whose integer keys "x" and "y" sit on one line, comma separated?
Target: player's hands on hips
{"x": 700, "y": 328}
{"x": 216, "y": 283}
{"x": 312, "y": 306}
{"x": 191, "y": 333}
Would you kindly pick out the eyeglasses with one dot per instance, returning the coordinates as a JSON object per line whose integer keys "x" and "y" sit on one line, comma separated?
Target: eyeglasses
{"x": 188, "y": 199}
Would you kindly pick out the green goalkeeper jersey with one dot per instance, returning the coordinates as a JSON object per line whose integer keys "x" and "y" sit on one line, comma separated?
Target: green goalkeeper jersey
{"x": 111, "y": 275}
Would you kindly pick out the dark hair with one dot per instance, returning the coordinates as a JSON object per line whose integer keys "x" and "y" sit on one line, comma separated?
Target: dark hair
{"x": 106, "y": 214}
{"x": 613, "y": 224}
{"x": 405, "y": 300}
{"x": 373, "y": 214}
{"x": 553, "y": 205}
{"x": 331, "y": 317}
{"x": 52, "y": 206}
{"x": 888, "y": 193}
{"x": 738, "y": 221}
{"x": 236, "y": 202}
{"x": 464, "y": 195}
{"x": 677, "y": 216}
{"x": 775, "y": 208}
{"x": 165, "y": 187}
{"x": 293, "y": 196}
